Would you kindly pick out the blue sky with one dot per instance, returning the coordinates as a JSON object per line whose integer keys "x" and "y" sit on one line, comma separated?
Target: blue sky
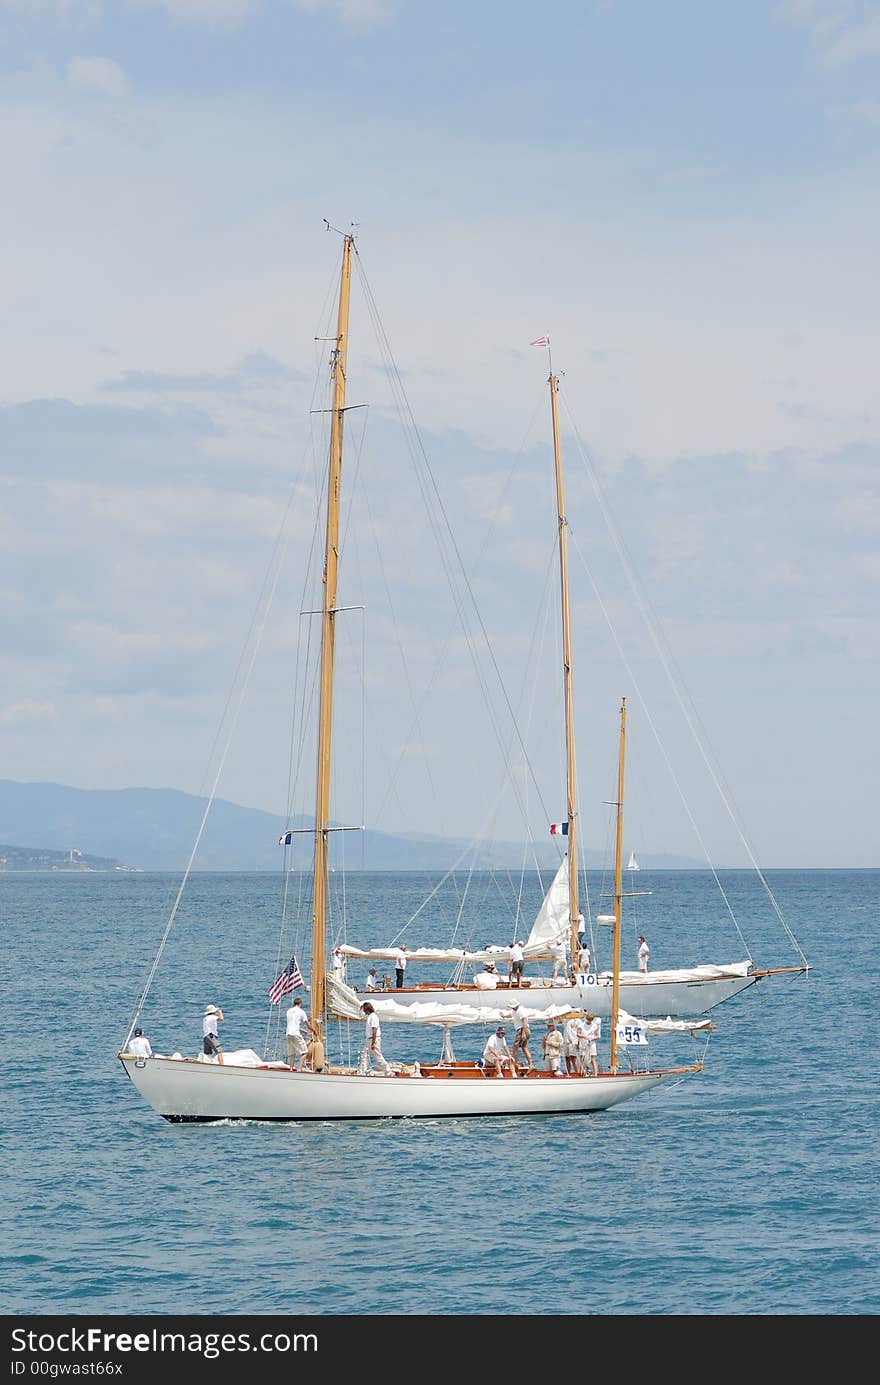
{"x": 685, "y": 195}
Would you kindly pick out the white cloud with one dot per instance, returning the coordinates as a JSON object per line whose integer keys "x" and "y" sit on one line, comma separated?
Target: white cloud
{"x": 198, "y": 11}
{"x": 840, "y": 30}
{"x": 26, "y": 713}
{"x": 357, "y": 13}
{"x": 97, "y": 76}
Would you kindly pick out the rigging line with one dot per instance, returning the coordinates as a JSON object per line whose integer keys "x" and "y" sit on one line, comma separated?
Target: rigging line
{"x": 638, "y": 692}
{"x": 415, "y": 703}
{"x": 254, "y": 634}
{"x": 683, "y": 699}
{"x": 443, "y": 536}
{"x": 257, "y": 640}
{"x": 535, "y": 660}
{"x": 298, "y": 715}
{"x": 395, "y": 377}
{"x": 681, "y": 691}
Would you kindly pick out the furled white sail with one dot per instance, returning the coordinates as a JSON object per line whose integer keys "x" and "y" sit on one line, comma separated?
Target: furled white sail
{"x": 552, "y": 923}
{"x": 345, "y": 1003}
{"x": 439, "y": 954}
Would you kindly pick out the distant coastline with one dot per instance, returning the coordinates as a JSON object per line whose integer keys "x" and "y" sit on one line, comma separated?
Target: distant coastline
{"x": 39, "y": 860}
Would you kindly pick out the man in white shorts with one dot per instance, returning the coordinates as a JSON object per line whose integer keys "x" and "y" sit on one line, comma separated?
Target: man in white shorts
{"x": 496, "y": 1054}
{"x": 297, "y": 1021}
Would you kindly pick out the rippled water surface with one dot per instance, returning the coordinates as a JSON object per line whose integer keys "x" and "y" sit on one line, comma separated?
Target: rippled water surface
{"x": 749, "y": 1189}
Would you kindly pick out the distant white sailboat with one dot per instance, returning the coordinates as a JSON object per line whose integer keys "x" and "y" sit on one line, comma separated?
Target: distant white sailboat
{"x": 632, "y": 863}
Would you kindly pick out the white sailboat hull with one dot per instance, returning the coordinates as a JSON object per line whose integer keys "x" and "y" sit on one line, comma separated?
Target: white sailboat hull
{"x": 188, "y": 1090}
{"x": 684, "y": 994}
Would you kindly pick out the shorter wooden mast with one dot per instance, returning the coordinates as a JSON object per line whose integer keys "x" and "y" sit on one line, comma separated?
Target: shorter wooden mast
{"x": 618, "y": 873}
{"x": 571, "y": 777}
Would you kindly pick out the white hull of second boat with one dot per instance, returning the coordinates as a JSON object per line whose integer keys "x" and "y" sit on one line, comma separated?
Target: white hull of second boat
{"x": 685, "y": 996}
{"x": 189, "y": 1090}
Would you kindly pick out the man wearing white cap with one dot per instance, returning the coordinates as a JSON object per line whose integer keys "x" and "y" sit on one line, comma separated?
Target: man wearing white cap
{"x": 210, "y": 1037}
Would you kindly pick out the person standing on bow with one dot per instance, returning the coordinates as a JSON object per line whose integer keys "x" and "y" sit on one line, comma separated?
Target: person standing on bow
{"x": 517, "y": 963}
{"x": 643, "y": 954}
{"x": 372, "y": 1042}
{"x": 140, "y": 1046}
{"x": 584, "y": 959}
{"x": 337, "y": 962}
{"x": 400, "y": 965}
{"x": 210, "y": 1035}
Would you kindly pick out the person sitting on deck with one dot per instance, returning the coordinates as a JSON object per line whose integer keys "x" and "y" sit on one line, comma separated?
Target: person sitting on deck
{"x": 496, "y": 1054}
{"x": 487, "y": 979}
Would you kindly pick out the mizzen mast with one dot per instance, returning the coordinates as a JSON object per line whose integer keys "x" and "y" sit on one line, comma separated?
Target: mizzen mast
{"x": 574, "y": 909}
{"x": 328, "y": 633}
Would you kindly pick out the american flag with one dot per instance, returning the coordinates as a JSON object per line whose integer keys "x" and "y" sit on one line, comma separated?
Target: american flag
{"x": 540, "y": 341}
{"x": 289, "y": 980}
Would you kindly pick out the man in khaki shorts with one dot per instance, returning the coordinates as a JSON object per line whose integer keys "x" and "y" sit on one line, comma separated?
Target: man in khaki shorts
{"x": 297, "y": 1048}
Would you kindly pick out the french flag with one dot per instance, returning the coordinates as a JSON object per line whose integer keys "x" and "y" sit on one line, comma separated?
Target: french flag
{"x": 559, "y": 829}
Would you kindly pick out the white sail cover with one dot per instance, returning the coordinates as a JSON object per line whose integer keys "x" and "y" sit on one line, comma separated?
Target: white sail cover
{"x": 553, "y": 921}
{"x": 704, "y": 972}
{"x": 345, "y": 1003}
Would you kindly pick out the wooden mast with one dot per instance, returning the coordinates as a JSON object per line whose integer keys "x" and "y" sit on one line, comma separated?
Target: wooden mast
{"x": 574, "y": 908}
{"x": 618, "y": 874}
{"x": 328, "y": 632}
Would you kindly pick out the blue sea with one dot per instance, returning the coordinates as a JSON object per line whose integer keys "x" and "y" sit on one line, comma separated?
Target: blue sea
{"x": 750, "y": 1189}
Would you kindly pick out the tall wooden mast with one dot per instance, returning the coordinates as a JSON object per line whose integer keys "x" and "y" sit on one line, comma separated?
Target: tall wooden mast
{"x": 618, "y": 875}
{"x": 328, "y": 633}
{"x": 574, "y": 908}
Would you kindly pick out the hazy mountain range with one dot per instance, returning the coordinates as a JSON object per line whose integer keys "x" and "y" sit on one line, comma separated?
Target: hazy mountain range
{"x": 154, "y": 829}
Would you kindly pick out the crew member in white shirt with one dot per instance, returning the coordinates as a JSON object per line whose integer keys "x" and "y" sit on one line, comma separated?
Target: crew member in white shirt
{"x": 140, "y": 1046}
{"x": 588, "y": 1043}
{"x": 496, "y": 1054}
{"x": 372, "y": 1042}
{"x": 557, "y": 950}
{"x": 297, "y": 1048}
{"x": 210, "y": 1035}
{"x": 515, "y": 972}
{"x": 400, "y": 964}
{"x": 372, "y": 980}
{"x": 570, "y": 1045}
{"x": 644, "y": 954}
{"x": 584, "y": 959}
